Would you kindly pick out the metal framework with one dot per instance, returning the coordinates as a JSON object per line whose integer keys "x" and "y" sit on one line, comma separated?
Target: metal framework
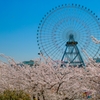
{"x": 72, "y": 53}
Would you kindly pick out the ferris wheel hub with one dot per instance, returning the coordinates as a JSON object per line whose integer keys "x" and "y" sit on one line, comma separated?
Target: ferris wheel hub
{"x": 71, "y": 36}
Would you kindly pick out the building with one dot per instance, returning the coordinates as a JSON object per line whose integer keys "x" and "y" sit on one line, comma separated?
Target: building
{"x": 30, "y": 63}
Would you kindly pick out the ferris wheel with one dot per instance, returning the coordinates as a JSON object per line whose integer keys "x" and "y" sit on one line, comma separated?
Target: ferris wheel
{"x": 67, "y": 29}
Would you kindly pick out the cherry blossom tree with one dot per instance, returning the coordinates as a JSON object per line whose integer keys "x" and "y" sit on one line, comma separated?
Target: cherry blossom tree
{"x": 49, "y": 81}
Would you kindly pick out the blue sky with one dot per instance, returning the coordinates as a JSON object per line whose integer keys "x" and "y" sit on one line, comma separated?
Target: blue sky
{"x": 19, "y": 20}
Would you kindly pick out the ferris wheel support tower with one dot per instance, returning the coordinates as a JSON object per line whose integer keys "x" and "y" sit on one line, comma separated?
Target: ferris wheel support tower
{"x": 72, "y": 52}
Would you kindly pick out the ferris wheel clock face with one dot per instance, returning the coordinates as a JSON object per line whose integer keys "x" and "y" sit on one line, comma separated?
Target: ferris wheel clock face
{"x": 59, "y": 23}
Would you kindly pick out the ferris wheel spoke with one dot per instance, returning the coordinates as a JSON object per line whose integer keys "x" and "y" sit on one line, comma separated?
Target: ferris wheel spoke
{"x": 51, "y": 46}
{"x": 52, "y": 52}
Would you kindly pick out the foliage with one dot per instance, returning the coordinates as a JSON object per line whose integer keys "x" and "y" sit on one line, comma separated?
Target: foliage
{"x": 14, "y": 95}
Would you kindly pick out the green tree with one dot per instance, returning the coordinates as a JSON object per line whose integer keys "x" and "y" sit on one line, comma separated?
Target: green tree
{"x": 14, "y": 95}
